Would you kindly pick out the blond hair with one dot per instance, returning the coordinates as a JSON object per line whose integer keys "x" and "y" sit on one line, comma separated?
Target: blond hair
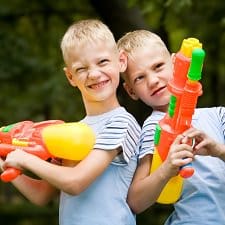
{"x": 138, "y": 39}
{"x": 82, "y": 32}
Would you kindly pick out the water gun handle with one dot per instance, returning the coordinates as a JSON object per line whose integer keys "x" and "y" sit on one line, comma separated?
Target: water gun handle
{"x": 10, "y": 174}
{"x": 186, "y": 171}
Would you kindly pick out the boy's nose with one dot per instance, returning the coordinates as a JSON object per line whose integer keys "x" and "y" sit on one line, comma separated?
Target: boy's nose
{"x": 93, "y": 73}
{"x": 152, "y": 80}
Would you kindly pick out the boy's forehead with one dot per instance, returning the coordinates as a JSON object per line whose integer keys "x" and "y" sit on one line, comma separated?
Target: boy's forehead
{"x": 91, "y": 51}
{"x": 150, "y": 51}
{"x": 145, "y": 57}
{"x": 77, "y": 47}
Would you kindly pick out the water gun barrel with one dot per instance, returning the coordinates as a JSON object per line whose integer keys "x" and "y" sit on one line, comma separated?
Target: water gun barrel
{"x": 192, "y": 90}
{"x": 23, "y": 135}
{"x": 72, "y": 141}
{"x": 195, "y": 71}
{"x": 185, "y": 89}
{"x": 182, "y": 63}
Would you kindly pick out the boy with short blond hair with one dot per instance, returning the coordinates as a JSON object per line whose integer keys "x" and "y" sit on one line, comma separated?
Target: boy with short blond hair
{"x": 94, "y": 190}
{"x": 149, "y": 68}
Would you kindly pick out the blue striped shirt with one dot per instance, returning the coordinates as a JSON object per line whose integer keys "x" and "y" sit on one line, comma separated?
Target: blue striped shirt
{"x": 115, "y": 129}
{"x": 203, "y": 198}
{"x": 104, "y": 201}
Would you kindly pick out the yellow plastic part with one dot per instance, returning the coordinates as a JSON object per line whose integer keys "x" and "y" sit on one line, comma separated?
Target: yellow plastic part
{"x": 71, "y": 141}
{"x": 172, "y": 191}
{"x": 19, "y": 143}
{"x": 188, "y": 45}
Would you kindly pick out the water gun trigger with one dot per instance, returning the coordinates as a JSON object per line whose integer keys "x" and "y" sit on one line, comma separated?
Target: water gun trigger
{"x": 10, "y": 174}
{"x": 187, "y": 170}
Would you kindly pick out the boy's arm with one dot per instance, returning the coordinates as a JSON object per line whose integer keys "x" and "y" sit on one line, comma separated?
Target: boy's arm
{"x": 145, "y": 189}
{"x": 37, "y": 191}
{"x": 72, "y": 180}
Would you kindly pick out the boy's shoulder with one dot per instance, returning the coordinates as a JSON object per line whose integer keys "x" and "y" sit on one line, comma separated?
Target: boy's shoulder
{"x": 204, "y": 113}
{"x": 154, "y": 117}
{"x": 116, "y": 117}
{"x": 200, "y": 113}
{"x": 121, "y": 115}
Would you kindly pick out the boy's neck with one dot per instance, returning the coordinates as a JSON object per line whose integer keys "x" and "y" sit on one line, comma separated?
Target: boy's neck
{"x": 97, "y": 108}
{"x": 161, "y": 108}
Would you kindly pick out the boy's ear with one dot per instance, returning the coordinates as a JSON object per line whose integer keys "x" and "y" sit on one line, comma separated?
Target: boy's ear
{"x": 123, "y": 61}
{"x": 173, "y": 57}
{"x": 69, "y": 76}
{"x": 130, "y": 91}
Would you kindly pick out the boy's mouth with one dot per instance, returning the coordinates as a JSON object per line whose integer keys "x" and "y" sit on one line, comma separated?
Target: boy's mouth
{"x": 98, "y": 85}
{"x": 158, "y": 90}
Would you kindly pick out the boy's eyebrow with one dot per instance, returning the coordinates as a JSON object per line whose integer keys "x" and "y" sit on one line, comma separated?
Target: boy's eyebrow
{"x": 157, "y": 60}
{"x": 75, "y": 65}
{"x": 157, "y": 63}
{"x": 105, "y": 56}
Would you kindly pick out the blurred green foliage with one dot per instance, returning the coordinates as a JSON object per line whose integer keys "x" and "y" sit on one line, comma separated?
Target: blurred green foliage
{"x": 33, "y": 85}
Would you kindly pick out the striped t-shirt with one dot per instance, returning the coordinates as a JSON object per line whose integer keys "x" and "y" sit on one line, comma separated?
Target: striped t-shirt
{"x": 146, "y": 144}
{"x": 205, "y": 189}
{"x": 105, "y": 200}
{"x": 115, "y": 129}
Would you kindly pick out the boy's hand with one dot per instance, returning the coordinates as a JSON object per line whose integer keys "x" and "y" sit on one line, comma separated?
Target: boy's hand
{"x": 179, "y": 155}
{"x": 204, "y": 145}
{"x": 15, "y": 159}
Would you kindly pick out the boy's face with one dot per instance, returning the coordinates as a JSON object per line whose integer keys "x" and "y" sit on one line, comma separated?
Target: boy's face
{"x": 95, "y": 69}
{"x": 148, "y": 73}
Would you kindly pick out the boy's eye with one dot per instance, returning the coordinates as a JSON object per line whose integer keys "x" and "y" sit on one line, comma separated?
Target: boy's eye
{"x": 159, "y": 66}
{"x": 80, "y": 70}
{"x": 103, "y": 61}
{"x": 138, "y": 78}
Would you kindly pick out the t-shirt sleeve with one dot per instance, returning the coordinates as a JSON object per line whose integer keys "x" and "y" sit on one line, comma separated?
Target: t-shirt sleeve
{"x": 120, "y": 131}
{"x": 146, "y": 144}
{"x": 221, "y": 113}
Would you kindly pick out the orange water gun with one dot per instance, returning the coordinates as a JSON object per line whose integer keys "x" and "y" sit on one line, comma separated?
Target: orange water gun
{"x": 185, "y": 89}
{"x": 47, "y": 139}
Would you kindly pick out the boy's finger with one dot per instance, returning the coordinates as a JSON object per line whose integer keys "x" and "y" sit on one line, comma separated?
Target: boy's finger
{"x": 178, "y": 139}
